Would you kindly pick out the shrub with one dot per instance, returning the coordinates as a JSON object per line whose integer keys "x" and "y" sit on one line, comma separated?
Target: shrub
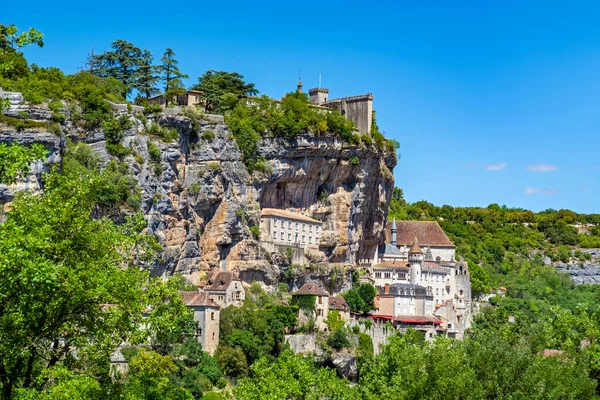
{"x": 194, "y": 189}
{"x": 214, "y": 166}
{"x": 255, "y": 230}
{"x": 354, "y": 160}
{"x": 118, "y": 150}
{"x": 153, "y": 151}
{"x": 338, "y": 340}
{"x": 208, "y": 135}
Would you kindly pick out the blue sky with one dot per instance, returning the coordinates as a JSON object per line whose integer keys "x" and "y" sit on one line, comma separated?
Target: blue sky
{"x": 491, "y": 101}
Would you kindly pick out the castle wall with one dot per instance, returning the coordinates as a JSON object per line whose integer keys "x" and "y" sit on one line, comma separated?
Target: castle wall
{"x": 358, "y": 109}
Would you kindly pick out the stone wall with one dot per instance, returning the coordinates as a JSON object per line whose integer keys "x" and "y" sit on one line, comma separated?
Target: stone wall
{"x": 358, "y": 109}
{"x": 303, "y": 344}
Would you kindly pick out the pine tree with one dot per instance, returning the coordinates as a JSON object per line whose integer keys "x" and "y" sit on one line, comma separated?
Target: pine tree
{"x": 146, "y": 77}
{"x": 171, "y": 75}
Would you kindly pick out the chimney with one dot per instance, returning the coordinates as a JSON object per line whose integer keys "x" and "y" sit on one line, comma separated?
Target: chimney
{"x": 387, "y": 288}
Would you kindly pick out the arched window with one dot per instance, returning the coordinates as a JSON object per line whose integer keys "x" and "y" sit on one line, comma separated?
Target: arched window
{"x": 343, "y": 112}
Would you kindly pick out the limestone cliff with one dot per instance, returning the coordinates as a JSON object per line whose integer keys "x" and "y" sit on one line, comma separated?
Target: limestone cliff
{"x": 201, "y": 202}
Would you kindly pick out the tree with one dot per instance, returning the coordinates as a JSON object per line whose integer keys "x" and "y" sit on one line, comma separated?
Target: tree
{"x": 171, "y": 76}
{"x": 125, "y": 63}
{"x": 147, "y": 78}
{"x": 360, "y": 298}
{"x": 149, "y": 377}
{"x": 216, "y": 84}
{"x": 15, "y": 160}
{"x": 11, "y": 59}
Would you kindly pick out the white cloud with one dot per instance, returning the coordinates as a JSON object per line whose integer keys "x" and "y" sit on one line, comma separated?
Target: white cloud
{"x": 495, "y": 167}
{"x": 542, "y": 168}
{"x": 540, "y": 191}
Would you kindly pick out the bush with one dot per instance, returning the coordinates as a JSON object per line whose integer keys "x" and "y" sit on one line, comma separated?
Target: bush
{"x": 354, "y": 160}
{"x": 208, "y": 135}
{"x": 194, "y": 189}
{"x": 255, "y": 230}
{"x": 153, "y": 151}
{"x": 338, "y": 340}
{"x": 118, "y": 150}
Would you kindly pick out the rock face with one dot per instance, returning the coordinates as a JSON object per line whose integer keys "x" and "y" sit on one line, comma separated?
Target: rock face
{"x": 345, "y": 365}
{"x": 583, "y": 272}
{"x": 200, "y": 201}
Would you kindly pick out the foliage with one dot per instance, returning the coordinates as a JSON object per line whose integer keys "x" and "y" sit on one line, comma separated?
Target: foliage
{"x": 216, "y": 85}
{"x": 354, "y": 160}
{"x": 255, "y": 230}
{"x": 153, "y": 151}
{"x": 334, "y": 321}
{"x": 257, "y": 327}
{"x": 360, "y": 298}
{"x": 292, "y": 377}
{"x": 115, "y": 128}
{"x": 304, "y": 302}
{"x": 15, "y": 160}
{"x": 171, "y": 76}
{"x": 338, "y": 340}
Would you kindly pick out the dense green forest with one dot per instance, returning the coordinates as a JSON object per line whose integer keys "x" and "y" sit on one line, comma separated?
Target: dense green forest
{"x": 74, "y": 286}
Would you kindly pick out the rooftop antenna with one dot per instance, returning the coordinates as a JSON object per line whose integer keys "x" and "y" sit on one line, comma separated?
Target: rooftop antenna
{"x": 319, "y": 80}
{"x": 299, "y": 74}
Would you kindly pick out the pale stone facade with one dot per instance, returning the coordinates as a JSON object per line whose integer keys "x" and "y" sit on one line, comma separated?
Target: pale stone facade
{"x": 226, "y": 288}
{"x": 282, "y": 227}
{"x": 422, "y": 280}
{"x": 320, "y": 312}
{"x": 358, "y": 109}
{"x": 191, "y": 98}
{"x": 207, "y": 316}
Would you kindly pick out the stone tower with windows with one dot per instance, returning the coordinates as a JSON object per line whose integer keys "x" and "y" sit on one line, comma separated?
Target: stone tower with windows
{"x": 415, "y": 260}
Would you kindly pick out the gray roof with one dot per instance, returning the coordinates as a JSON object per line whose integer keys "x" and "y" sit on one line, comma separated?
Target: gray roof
{"x": 389, "y": 250}
{"x": 405, "y": 289}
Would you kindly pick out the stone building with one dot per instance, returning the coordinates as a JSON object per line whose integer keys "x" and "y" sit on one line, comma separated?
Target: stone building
{"x": 207, "y": 315}
{"x": 225, "y": 288}
{"x": 423, "y": 278}
{"x": 358, "y": 109}
{"x": 282, "y": 227}
{"x": 320, "y": 310}
{"x": 339, "y": 304}
{"x": 190, "y": 98}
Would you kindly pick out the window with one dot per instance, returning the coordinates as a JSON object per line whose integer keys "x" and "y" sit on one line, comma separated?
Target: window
{"x": 387, "y": 275}
{"x": 297, "y": 225}
{"x": 289, "y": 236}
{"x": 317, "y": 229}
{"x": 237, "y": 295}
{"x": 212, "y": 317}
{"x": 303, "y": 238}
{"x": 213, "y": 336}
{"x": 402, "y": 275}
{"x": 319, "y": 312}
{"x": 275, "y": 234}
{"x": 282, "y": 235}
{"x": 199, "y": 331}
{"x": 377, "y": 274}
{"x": 461, "y": 292}
{"x": 449, "y": 326}
{"x": 320, "y": 299}
{"x": 274, "y": 223}
{"x": 310, "y": 239}
{"x": 437, "y": 291}
{"x": 289, "y": 224}
{"x": 310, "y": 228}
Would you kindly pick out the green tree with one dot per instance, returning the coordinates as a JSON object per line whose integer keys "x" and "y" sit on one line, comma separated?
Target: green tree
{"x": 171, "y": 76}
{"x": 15, "y": 160}
{"x": 216, "y": 84}
{"x": 149, "y": 377}
{"x": 122, "y": 63}
{"x": 147, "y": 76}
{"x": 360, "y": 298}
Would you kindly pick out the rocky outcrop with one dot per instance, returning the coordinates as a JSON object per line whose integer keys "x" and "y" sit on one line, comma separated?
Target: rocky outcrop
{"x": 200, "y": 201}
{"x": 345, "y": 365}
{"x": 583, "y": 271}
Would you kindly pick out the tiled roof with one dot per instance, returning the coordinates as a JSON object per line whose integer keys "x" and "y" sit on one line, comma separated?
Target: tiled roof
{"x": 276, "y": 212}
{"x": 428, "y": 233}
{"x": 409, "y": 319}
{"x": 311, "y": 289}
{"x": 338, "y": 303}
{"x": 391, "y": 264}
{"x": 220, "y": 281}
{"x": 193, "y": 298}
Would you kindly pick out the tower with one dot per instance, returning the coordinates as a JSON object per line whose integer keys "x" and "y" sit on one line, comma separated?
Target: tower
{"x": 415, "y": 260}
{"x": 299, "y": 86}
{"x": 318, "y": 95}
{"x": 394, "y": 230}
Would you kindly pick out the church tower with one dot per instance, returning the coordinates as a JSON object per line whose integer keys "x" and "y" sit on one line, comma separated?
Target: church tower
{"x": 415, "y": 259}
{"x": 394, "y": 230}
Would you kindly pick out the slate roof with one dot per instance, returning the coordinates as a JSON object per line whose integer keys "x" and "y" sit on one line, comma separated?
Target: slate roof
{"x": 194, "y": 298}
{"x": 220, "y": 281}
{"x": 389, "y": 250}
{"x": 311, "y": 289}
{"x": 338, "y": 303}
{"x": 415, "y": 249}
{"x": 428, "y": 233}
{"x": 276, "y": 212}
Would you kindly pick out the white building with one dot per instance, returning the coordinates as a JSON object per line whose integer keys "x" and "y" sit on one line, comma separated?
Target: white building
{"x": 283, "y": 227}
{"x": 207, "y": 316}
{"x": 319, "y": 311}
{"x": 226, "y": 288}
{"x": 422, "y": 279}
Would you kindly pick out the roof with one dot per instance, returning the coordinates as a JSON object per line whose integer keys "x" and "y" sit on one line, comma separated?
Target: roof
{"x": 319, "y": 89}
{"x": 194, "y": 298}
{"x": 220, "y": 281}
{"x": 388, "y": 249}
{"x": 338, "y": 303}
{"x": 276, "y": 212}
{"x": 428, "y": 233}
{"x": 415, "y": 249}
{"x": 311, "y": 289}
{"x": 391, "y": 264}
{"x": 409, "y": 319}
{"x": 195, "y": 91}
